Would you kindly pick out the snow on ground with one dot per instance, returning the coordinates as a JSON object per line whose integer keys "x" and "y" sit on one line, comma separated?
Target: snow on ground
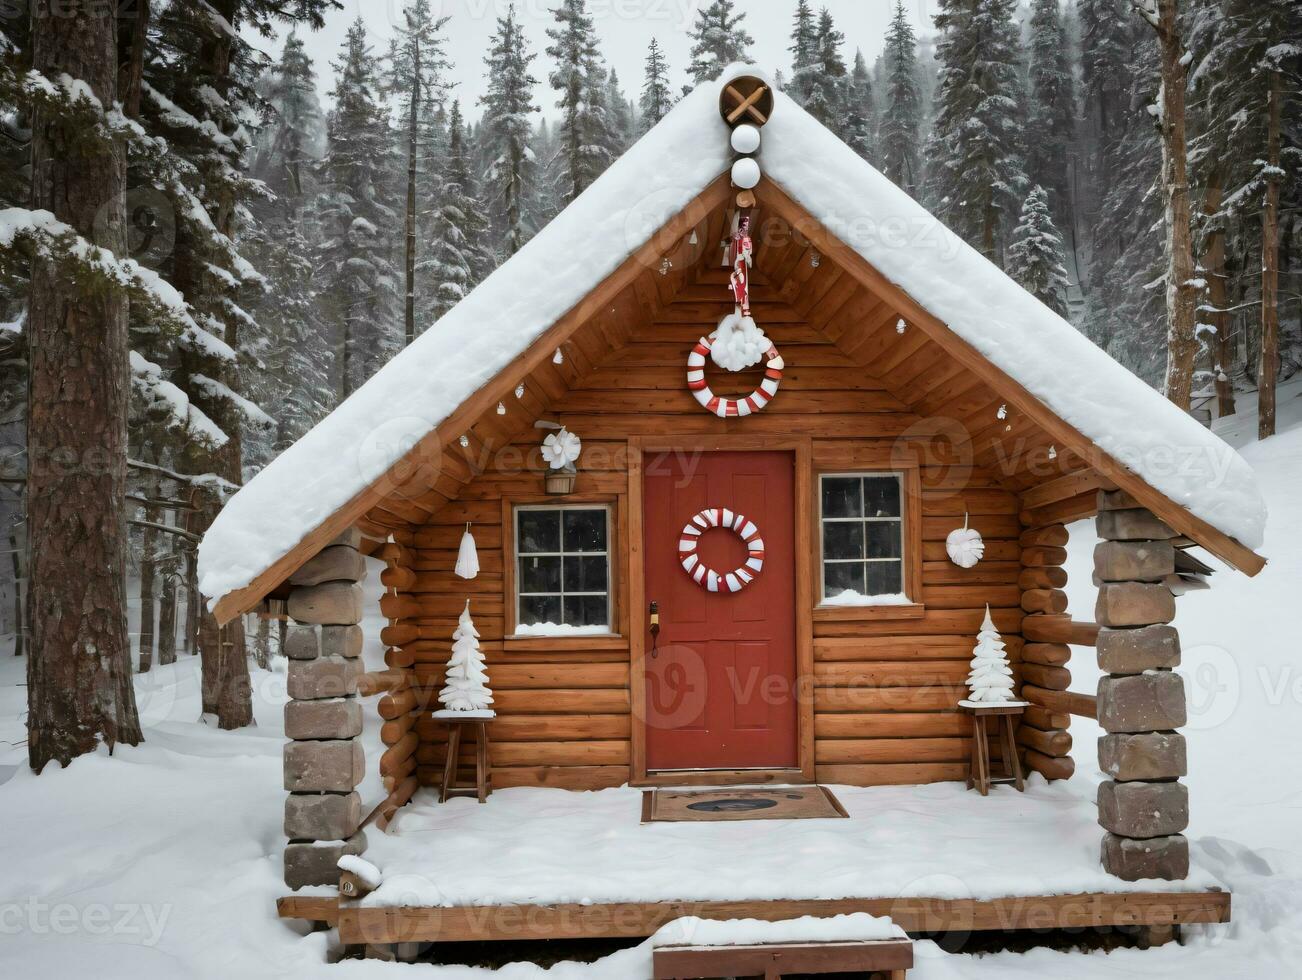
{"x": 163, "y": 861}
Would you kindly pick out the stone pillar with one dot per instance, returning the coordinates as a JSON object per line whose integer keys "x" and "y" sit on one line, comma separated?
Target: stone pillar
{"x": 323, "y": 718}
{"x": 1141, "y": 701}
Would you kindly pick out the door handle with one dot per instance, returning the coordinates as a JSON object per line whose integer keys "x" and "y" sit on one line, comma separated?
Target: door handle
{"x": 654, "y": 612}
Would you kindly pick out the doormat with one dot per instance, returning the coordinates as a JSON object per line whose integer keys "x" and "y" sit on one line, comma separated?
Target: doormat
{"x": 782, "y": 803}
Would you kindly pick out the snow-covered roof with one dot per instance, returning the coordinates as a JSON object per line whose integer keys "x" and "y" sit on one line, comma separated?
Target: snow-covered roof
{"x": 656, "y": 178}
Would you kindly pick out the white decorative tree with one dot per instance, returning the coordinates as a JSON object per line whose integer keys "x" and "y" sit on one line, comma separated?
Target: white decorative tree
{"x": 991, "y": 679}
{"x": 467, "y": 680}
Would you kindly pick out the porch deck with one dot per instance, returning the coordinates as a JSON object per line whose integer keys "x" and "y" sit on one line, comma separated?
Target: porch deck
{"x": 543, "y": 862}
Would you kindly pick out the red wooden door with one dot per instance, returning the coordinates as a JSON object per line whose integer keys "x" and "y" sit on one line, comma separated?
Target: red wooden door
{"x": 721, "y": 680}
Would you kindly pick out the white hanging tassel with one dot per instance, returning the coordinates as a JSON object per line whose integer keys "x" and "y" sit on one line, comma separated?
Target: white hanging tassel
{"x": 467, "y": 556}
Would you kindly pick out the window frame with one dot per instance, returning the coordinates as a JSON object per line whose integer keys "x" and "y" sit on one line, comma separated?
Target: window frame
{"x": 910, "y": 522}
{"x": 511, "y": 517}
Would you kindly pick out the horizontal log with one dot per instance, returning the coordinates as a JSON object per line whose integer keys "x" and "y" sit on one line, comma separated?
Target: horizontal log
{"x": 1059, "y": 629}
{"x": 934, "y": 622}
{"x": 397, "y": 578}
{"x": 1052, "y": 743}
{"x": 985, "y": 573}
{"x": 1044, "y": 577}
{"x": 891, "y": 774}
{"x": 399, "y": 634}
{"x": 878, "y": 674}
{"x": 399, "y": 658}
{"x": 1040, "y": 555}
{"x": 379, "y": 681}
{"x": 1067, "y": 702}
{"x": 1050, "y": 678}
{"x": 894, "y": 648}
{"x": 997, "y": 549}
{"x": 876, "y": 750}
{"x": 391, "y": 761}
{"x": 396, "y": 800}
{"x": 921, "y": 724}
{"x": 599, "y": 753}
{"x": 504, "y": 677}
{"x": 394, "y": 731}
{"x": 553, "y": 777}
{"x": 1045, "y": 719}
{"x": 833, "y": 700}
{"x": 1050, "y": 767}
{"x": 1050, "y": 601}
{"x": 1048, "y": 654}
{"x": 1053, "y": 535}
{"x": 540, "y": 728}
{"x": 399, "y": 703}
{"x": 969, "y": 596}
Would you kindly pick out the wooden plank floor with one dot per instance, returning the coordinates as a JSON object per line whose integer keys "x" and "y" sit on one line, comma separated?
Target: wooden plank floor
{"x": 360, "y": 924}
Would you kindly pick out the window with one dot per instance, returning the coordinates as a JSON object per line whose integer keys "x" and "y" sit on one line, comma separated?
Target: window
{"x": 862, "y": 521}
{"x": 562, "y": 569}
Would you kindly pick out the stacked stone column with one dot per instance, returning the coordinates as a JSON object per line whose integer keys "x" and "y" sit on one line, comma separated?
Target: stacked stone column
{"x": 1141, "y": 701}
{"x": 324, "y": 762}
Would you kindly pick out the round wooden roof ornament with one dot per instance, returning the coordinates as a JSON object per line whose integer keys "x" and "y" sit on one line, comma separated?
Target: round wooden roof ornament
{"x": 746, "y": 99}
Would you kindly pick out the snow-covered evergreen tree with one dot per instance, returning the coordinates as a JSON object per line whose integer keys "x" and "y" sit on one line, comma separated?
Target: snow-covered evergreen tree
{"x": 1035, "y": 257}
{"x": 620, "y": 117}
{"x": 355, "y": 263}
{"x": 466, "y": 685}
{"x": 1104, "y": 33}
{"x": 804, "y": 53}
{"x": 826, "y": 84}
{"x": 990, "y": 680}
{"x": 580, "y": 77}
{"x": 657, "y": 97}
{"x": 1051, "y": 124}
{"x": 458, "y": 258}
{"x": 511, "y": 180}
{"x": 860, "y": 115}
{"x": 975, "y": 175}
{"x": 902, "y": 118}
{"x": 718, "y": 39}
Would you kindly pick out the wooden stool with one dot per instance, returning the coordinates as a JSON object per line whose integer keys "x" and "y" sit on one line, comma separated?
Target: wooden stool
{"x": 979, "y": 775}
{"x": 890, "y": 958}
{"x": 477, "y": 723}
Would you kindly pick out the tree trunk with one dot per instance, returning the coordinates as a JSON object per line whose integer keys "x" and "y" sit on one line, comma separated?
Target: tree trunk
{"x": 192, "y": 601}
{"x": 1181, "y": 291}
{"x": 167, "y": 615}
{"x": 262, "y": 644}
{"x": 20, "y": 628}
{"x": 79, "y": 669}
{"x": 1217, "y": 299}
{"x": 149, "y": 541}
{"x": 282, "y": 634}
{"x": 1269, "y": 370}
{"x": 409, "y": 312}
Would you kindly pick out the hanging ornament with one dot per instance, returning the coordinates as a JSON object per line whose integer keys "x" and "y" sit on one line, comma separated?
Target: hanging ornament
{"x": 740, "y": 250}
{"x": 501, "y": 408}
{"x": 558, "y": 357}
{"x": 899, "y": 326}
{"x": 732, "y": 407}
{"x": 1002, "y": 413}
{"x": 965, "y": 546}
{"x": 1053, "y": 452}
{"x": 519, "y": 390}
{"x": 692, "y": 239}
{"x": 467, "y": 556}
{"x": 815, "y": 260}
{"x": 702, "y": 574}
{"x": 465, "y": 442}
{"x": 665, "y": 266}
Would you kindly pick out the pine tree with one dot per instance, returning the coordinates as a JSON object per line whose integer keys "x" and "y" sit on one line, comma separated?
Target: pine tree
{"x": 975, "y": 173}
{"x": 804, "y": 53}
{"x": 657, "y": 98}
{"x": 580, "y": 78}
{"x": 902, "y": 120}
{"x": 1050, "y": 127}
{"x": 1103, "y": 47}
{"x": 859, "y": 113}
{"x": 466, "y": 688}
{"x": 826, "y": 84}
{"x": 459, "y": 256}
{"x": 991, "y": 678}
{"x": 718, "y": 39}
{"x": 620, "y": 114}
{"x": 416, "y": 68}
{"x": 358, "y": 280}
{"x": 511, "y": 179}
{"x": 1035, "y": 257}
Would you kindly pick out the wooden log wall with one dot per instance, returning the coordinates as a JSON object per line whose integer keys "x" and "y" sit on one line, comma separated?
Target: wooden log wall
{"x": 884, "y": 689}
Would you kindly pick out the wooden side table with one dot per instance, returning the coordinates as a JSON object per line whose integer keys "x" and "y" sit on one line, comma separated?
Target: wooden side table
{"x": 476, "y": 723}
{"x": 979, "y": 775}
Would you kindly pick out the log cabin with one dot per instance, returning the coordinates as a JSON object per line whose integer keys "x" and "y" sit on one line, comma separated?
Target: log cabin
{"x": 639, "y": 631}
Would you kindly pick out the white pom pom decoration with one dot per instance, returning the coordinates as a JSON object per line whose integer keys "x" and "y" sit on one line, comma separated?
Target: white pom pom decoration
{"x": 561, "y": 449}
{"x": 746, "y": 138}
{"x": 965, "y": 546}
{"x": 746, "y": 173}
{"x": 738, "y": 343}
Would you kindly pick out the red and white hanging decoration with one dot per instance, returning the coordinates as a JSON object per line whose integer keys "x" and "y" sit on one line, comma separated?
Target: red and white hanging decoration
{"x": 703, "y": 575}
{"x": 732, "y": 407}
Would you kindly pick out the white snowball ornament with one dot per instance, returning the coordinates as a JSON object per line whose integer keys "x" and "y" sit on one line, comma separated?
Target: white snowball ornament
{"x": 746, "y": 138}
{"x": 746, "y": 173}
{"x": 965, "y": 546}
{"x": 737, "y": 343}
